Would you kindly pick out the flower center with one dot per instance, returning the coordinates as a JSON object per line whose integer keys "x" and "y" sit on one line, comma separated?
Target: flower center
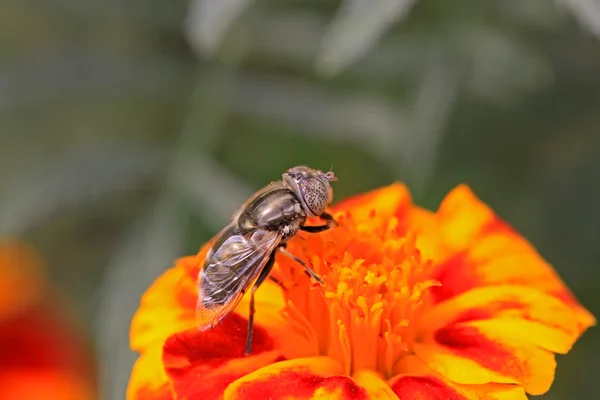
{"x": 375, "y": 288}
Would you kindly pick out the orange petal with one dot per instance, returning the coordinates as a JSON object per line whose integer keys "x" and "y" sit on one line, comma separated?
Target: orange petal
{"x": 422, "y": 224}
{"x": 519, "y": 312}
{"x": 420, "y": 382}
{"x": 473, "y": 353}
{"x": 478, "y": 249}
{"x": 301, "y": 378}
{"x": 391, "y": 200}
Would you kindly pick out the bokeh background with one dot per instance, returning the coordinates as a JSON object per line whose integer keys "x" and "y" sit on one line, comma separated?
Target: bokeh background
{"x": 131, "y": 130}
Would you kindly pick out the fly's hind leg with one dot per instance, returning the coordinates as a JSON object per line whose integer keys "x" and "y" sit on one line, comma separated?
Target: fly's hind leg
{"x": 330, "y": 223}
{"x": 263, "y": 275}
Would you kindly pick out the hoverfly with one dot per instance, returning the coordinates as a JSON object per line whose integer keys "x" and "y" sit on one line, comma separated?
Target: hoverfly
{"x": 243, "y": 253}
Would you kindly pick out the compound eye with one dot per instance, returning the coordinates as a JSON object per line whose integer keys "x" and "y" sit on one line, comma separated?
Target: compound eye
{"x": 315, "y": 195}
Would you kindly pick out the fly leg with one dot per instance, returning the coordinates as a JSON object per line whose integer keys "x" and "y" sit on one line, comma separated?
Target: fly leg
{"x": 330, "y": 223}
{"x": 277, "y": 281}
{"x": 299, "y": 261}
{"x": 263, "y": 275}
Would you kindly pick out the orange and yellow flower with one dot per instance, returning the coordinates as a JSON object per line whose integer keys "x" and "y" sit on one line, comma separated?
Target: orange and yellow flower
{"x": 42, "y": 356}
{"x": 416, "y": 305}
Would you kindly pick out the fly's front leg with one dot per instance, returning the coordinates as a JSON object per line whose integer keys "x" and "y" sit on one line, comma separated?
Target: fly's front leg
{"x": 299, "y": 261}
{"x": 330, "y": 223}
{"x": 276, "y": 281}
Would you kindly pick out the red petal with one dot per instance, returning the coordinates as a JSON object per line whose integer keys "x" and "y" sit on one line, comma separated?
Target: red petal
{"x": 203, "y": 364}
{"x": 299, "y": 379}
{"x": 424, "y": 388}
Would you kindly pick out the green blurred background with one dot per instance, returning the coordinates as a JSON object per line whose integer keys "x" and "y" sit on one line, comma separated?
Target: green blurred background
{"x": 130, "y": 130}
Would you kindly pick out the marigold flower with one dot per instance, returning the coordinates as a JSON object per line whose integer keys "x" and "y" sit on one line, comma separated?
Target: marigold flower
{"x": 42, "y": 355}
{"x": 416, "y": 305}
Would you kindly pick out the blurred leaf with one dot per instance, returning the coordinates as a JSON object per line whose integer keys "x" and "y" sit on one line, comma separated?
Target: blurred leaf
{"x": 502, "y": 67}
{"x": 151, "y": 247}
{"x": 356, "y": 29}
{"x": 210, "y": 190}
{"x": 417, "y": 147}
{"x": 81, "y": 177}
{"x": 208, "y": 22}
{"x": 587, "y": 13}
{"x": 369, "y": 121}
{"x": 531, "y": 13}
{"x": 396, "y": 58}
{"x": 47, "y": 77}
{"x": 157, "y": 13}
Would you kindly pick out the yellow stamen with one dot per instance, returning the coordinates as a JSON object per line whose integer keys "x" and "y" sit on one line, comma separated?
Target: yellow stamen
{"x": 376, "y": 286}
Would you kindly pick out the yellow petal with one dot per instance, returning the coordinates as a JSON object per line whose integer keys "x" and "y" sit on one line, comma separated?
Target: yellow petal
{"x": 473, "y": 353}
{"x": 376, "y": 388}
{"x": 521, "y": 312}
{"x": 419, "y": 382}
{"x": 476, "y": 248}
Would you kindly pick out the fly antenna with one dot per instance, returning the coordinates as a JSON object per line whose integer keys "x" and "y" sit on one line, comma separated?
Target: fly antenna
{"x": 330, "y": 175}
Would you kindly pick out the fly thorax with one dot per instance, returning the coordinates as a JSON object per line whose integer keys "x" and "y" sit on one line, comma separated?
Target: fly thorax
{"x": 246, "y": 223}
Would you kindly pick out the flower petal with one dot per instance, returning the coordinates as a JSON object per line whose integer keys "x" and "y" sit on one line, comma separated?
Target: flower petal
{"x": 42, "y": 351}
{"x": 375, "y": 387}
{"x": 424, "y": 388}
{"x": 45, "y": 384}
{"x": 169, "y": 320}
{"x": 478, "y": 249}
{"x": 388, "y": 201}
{"x": 148, "y": 380}
{"x": 205, "y": 363}
{"x": 269, "y": 301}
{"x": 301, "y": 378}
{"x": 423, "y": 383}
{"x": 21, "y": 278}
{"x": 515, "y": 311}
{"x": 474, "y": 353}
{"x": 166, "y": 308}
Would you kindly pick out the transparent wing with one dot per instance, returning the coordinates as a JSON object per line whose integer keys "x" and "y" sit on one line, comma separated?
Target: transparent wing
{"x": 229, "y": 273}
